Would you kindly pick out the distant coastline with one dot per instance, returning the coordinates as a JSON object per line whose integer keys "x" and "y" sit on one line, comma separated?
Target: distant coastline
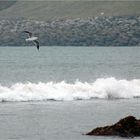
{"x": 99, "y": 31}
{"x": 71, "y": 23}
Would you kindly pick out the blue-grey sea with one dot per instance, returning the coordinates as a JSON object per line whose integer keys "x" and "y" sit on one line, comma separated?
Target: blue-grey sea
{"x": 61, "y": 93}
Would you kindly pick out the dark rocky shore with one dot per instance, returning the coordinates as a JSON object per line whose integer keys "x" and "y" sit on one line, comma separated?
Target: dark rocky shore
{"x": 97, "y": 31}
{"x": 126, "y": 127}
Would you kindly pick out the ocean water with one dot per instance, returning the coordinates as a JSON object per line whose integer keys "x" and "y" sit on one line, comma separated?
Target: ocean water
{"x": 64, "y": 92}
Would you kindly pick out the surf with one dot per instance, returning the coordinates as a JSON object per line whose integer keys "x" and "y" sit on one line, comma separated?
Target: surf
{"x": 102, "y": 88}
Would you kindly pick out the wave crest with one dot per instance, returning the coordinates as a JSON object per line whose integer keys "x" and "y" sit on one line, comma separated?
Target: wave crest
{"x": 103, "y": 88}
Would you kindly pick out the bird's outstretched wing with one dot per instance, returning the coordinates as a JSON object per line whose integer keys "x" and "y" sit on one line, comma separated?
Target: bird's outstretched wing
{"x": 29, "y": 33}
{"x": 37, "y": 43}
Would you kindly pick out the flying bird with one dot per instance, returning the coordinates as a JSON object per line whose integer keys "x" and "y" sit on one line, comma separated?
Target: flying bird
{"x": 32, "y": 38}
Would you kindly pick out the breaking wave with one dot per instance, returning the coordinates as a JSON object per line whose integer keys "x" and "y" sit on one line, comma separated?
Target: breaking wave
{"x": 103, "y": 88}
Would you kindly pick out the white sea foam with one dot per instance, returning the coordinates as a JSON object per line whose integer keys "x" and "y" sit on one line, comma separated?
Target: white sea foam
{"x": 103, "y": 88}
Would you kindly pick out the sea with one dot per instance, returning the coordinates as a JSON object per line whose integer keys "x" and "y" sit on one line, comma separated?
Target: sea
{"x": 61, "y": 93}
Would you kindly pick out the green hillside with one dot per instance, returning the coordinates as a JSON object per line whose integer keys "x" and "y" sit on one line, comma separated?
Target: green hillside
{"x": 6, "y": 4}
{"x": 45, "y": 10}
{"x": 71, "y": 23}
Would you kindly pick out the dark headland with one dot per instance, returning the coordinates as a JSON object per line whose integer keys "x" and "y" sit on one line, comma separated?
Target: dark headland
{"x": 126, "y": 127}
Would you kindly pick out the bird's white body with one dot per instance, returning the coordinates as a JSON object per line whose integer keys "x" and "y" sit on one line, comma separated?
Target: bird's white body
{"x": 31, "y": 38}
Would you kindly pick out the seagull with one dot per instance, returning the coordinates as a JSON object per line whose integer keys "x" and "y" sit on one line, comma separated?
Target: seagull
{"x": 32, "y": 38}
